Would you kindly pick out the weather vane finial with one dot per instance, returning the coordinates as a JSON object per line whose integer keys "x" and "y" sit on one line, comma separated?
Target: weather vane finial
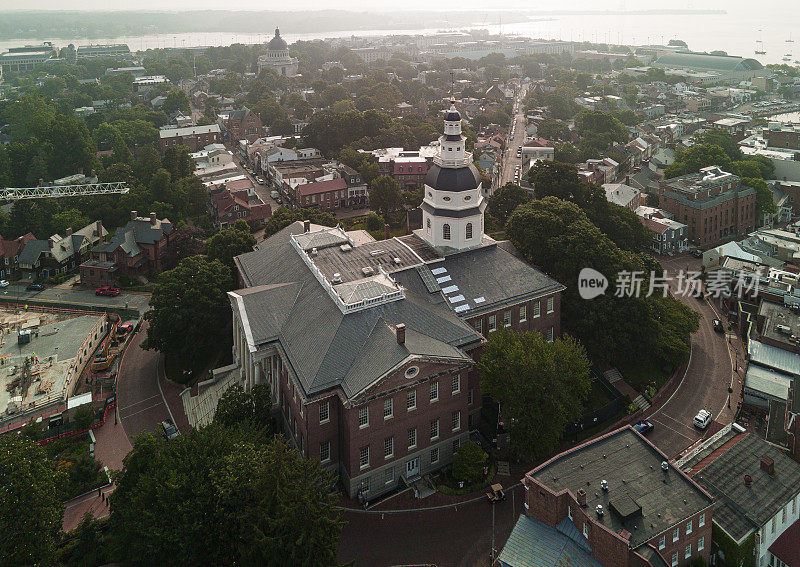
{"x": 452, "y": 88}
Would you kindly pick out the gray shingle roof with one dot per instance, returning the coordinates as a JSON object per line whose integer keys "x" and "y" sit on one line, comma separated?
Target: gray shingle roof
{"x": 325, "y": 347}
{"x": 535, "y": 544}
{"x": 741, "y": 508}
{"x": 136, "y": 232}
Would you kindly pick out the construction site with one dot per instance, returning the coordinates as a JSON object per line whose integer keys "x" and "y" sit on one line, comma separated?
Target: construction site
{"x": 44, "y": 355}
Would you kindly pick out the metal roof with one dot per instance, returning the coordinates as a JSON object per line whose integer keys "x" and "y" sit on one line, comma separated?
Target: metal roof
{"x": 774, "y": 357}
{"x": 535, "y": 544}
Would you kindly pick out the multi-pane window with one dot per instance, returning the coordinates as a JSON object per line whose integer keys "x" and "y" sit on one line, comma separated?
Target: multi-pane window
{"x": 523, "y": 313}
{"x": 456, "y": 420}
{"x": 507, "y": 318}
{"x": 363, "y": 457}
{"x": 701, "y": 521}
{"x": 550, "y": 335}
{"x": 688, "y": 527}
{"x": 537, "y": 309}
{"x": 585, "y": 530}
{"x": 469, "y": 396}
{"x": 388, "y": 448}
{"x": 324, "y": 412}
{"x": 389, "y": 475}
{"x": 434, "y": 391}
{"x": 456, "y": 384}
{"x": 411, "y": 400}
{"x": 479, "y": 325}
{"x": 446, "y": 231}
{"x": 662, "y": 543}
{"x": 688, "y": 552}
{"x": 363, "y": 417}
{"x": 412, "y": 438}
{"x": 550, "y": 305}
{"x": 435, "y": 455}
{"x": 325, "y": 451}
{"x": 676, "y": 534}
{"x": 388, "y": 408}
{"x": 701, "y": 544}
{"x": 456, "y": 445}
{"x": 434, "y": 429}
{"x": 492, "y": 323}
{"x": 674, "y": 560}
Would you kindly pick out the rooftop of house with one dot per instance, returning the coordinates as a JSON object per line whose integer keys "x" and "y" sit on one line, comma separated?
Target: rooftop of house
{"x": 773, "y": 357}
{"x": 641, "y": 498}
{"x": 785, "y": 547}
{"x": 318, "y": 187}
{"x": 781, "y": 323}
{"x": 750, "y": 479}
{"x": 61, "y": 247}
{"x": 165, "y": 133}
{"x": 620, "y": 194}
{"x": 138, "y": 231}
{"x": 535, "y": 544}
{"x": 695, "y": 182}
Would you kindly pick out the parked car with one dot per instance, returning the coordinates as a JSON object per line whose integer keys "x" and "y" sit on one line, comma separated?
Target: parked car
{"x": 644, "y": 427}
{"x": 107, "y": 290}
{"x": 260, "y": 180}
{"x": 4, "y": 283}
{"x": 702, "y": 419}
{"x": 719, "y": 326}
{"x": 169, "y": 430}
{"x": 35, "y": 287}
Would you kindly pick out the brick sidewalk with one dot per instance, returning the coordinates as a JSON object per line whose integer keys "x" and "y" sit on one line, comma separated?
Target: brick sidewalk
{"x": 90, "y": 503}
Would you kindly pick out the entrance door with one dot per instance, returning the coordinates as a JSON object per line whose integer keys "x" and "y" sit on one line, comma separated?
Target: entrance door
{"x": 412, "y": 468}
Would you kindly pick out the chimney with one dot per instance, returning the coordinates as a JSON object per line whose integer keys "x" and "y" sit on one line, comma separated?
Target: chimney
{"x": 152, "y": 218}
{"x": 401, "y": 333}
{"x": 98, "y": 228}
{"x": 134, "y": 214}
{"x": 306, "y": 226}
{"x": 386, "y": 232}
{"x": 581, "y": 498}
{"x": 748, "y": 480}
{"x": 627, "y": 180}
{"x": 767, "y": 465}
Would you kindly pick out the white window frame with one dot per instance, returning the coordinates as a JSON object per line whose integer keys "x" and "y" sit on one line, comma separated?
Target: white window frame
{"x": 362, "y": 462}
{"x": 550, "y": 305}
{"x": 411, "y": 400}
{"x": 662, "y": 542}
{"x": 434, "y": 429}
{"x": 389, "y": 475}
{"x": 675, "y": 559}
{"x": 537, "y": 309}
{"x": 363, "y": 417}
{"x": 701, "y": 544}
{"x": 456, "y": 421}
{"x": 676, "y": 535}
{"x": 434, "y": 452}
{"x": 327, "y": 445}
{"x": 492, "y": 323}
{"x": 388, "y": 448}
{"x": 388, "y": 408}
{"x": 523, "y": 313}
{"x": 702, "y": 520}
{"x": 455, "y": 384}
{"x": 507, "y": 318}
{"x": 688, "y": 527}
{"x": 434, "y": 393}
{"x": 688, "y": 552}
{"x": 412, "y": 435}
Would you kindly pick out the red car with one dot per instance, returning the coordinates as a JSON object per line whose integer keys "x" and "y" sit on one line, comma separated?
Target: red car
{"x": 107, "y": 290}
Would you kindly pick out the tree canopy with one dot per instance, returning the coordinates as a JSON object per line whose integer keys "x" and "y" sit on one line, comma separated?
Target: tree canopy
{"x": 540, "y": 386}
{"x": 507, "y": 198}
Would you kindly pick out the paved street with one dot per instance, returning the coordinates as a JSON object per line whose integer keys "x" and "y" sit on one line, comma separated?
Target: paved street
{"x": 706, "y": 380}
{"x": 510, "y": 159}
{"x": 458, "y": 536}
{"x": 77, "y": 296}
{"x": 140, "y": 401}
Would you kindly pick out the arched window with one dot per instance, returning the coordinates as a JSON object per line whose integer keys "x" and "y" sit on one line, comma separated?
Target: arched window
{"x": 469, "y": 230}
{"x": 446, "y": 231}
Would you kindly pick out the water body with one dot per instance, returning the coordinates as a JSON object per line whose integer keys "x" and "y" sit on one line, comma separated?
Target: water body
{"x": 734, "y": 32}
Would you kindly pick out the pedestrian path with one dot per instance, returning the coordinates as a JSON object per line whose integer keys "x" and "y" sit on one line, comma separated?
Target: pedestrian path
{"x": 612, "y": 375}
{"x": 641, "y": 403}
{"x": 94, "y": 503}
{"x": 615, "y": 377}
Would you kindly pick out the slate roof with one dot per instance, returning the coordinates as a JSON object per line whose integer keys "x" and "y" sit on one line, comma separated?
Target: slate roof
{"x": 535, "y": 544}
{"x": 135, "y": 233}
{"x": 632, "y": 467}
{"x": 63, "y": 247}
{"x": 740, "y": 509}
{"x": 325, "y": 347}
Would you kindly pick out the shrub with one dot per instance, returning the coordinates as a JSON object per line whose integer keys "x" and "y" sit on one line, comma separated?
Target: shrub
{"x": 469, "y": 462}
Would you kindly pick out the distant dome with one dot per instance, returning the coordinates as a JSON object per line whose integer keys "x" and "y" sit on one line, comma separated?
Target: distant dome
{"x": 277, "y": 43}
{"x": 453, "y": 179}
{"x": 452, "y": 115}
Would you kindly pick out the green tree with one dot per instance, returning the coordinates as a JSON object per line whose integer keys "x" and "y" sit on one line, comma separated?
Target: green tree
{"x": 695, "y": 158}
{"x": 552, "y": 129}
{"x": 222, "y": 496}
{"x": 384, "y": 195}
{"x": 540, "y": 386}
{"x": 507, "y": 198}
{"x": 236, "y": 406}
{"x": 468, "y": 463}
{"x": 177, "y": 100}
{"x": 71, "y": 218}
{"x": 765, "y": 203}
{"x": 188, "y": 307}
{"x": 84, "y": 416}
{"x": 230, "y": 242}
{"x": 31, "y": 506}
{"x": 283, "y": 217}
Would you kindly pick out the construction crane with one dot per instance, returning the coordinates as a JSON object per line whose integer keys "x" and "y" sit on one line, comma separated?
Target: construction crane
{"x": 76, "y": 190}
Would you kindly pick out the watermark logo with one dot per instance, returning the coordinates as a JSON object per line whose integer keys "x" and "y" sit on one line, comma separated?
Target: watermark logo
{"x": 591, "y": 283}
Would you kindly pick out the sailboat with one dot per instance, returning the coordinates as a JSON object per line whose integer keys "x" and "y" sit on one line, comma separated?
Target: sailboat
{"x": 760, "y": 48}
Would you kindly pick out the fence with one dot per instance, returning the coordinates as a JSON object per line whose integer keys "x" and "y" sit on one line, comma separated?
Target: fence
{"x": 110, "y": 402}
{"x": 617, "y": 404}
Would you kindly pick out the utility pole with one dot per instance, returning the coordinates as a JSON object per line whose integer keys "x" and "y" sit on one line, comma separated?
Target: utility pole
{"x": 491, "y": 554}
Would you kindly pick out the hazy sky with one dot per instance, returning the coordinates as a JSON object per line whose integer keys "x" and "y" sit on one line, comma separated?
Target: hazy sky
{"x": 372, "y": 5}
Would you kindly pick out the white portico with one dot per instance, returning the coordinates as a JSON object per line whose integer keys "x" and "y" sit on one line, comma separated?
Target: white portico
{"x": 453, "y": 206}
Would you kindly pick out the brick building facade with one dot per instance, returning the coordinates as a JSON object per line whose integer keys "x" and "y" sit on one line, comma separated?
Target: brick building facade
{"x": 712, "y": 203}
{"x": 193, "y": 137}
{"x": 243, "y": 124}
{"x": 619, "y": 500}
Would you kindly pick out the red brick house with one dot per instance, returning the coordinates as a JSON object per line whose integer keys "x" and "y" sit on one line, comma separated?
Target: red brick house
{"x": 230, "y": 206}
{"x": 326, "y": 195}
{"x": 193, "y": 137}
{"x": 242, "y": 124}
{"x": 136, "y": 249}
{"x": 606, "y": 502}
{"x": 9, "y": 254}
